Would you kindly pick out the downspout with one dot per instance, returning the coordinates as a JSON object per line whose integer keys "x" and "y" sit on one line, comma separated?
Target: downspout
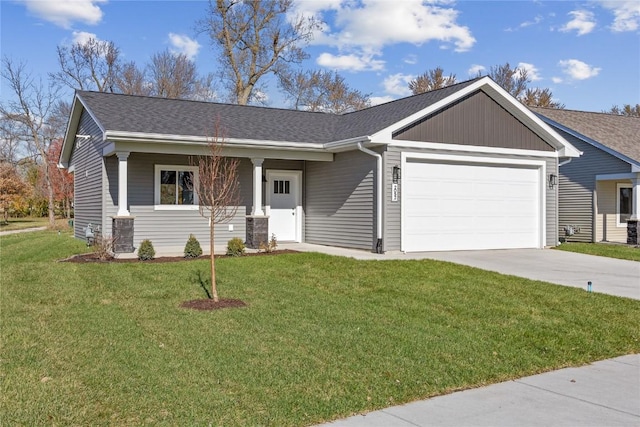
{"x": 378, "y": 195}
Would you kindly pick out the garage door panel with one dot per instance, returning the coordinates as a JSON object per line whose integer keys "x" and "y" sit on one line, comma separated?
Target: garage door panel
{"x": 462, "y": 206}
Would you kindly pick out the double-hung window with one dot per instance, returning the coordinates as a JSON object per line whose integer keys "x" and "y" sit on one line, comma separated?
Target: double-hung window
{"x": 175, "y": 186}
{"x": 623, "y": 203}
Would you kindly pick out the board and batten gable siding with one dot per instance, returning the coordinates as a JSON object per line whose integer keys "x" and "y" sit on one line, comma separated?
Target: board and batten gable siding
{"x": 86, "y": 158}
{"x": 474, "y": 120}
{"x": 577, "y": 183}
{"x": 170, "y": 228}
{"x": 392, "y": 210}
{"x": 340, "y": 201}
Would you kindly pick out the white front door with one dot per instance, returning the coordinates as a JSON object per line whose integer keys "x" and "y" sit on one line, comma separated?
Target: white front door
{"x": 284, "y": 195}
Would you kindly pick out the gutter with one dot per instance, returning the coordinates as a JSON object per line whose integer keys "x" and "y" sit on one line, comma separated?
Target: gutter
{"x": 378, "y": 195}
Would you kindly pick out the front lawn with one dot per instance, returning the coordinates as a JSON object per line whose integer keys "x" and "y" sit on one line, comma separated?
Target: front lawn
{"x": 321, "y": 337}
{"x": 30, "y": 222}
{"x": 603, "y": 249}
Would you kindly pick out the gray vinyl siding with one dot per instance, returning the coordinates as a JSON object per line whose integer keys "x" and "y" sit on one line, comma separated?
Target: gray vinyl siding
{"x": 171, "y": 228}
{"x": 577, "y": 181}
{"x": 86, "y": 158}
{"x": 474, "y": 120}
{"x": 392, "y": 210}
{"x": 340, "y": 201}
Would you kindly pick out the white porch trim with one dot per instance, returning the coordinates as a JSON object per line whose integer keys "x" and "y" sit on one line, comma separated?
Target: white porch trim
{"x": 122, "y": 183}
{"x": 256, "y": 210}
{"x": 635, "y": 197}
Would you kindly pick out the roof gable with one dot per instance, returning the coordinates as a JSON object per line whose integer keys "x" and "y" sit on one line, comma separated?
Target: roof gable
{"x": 616, "y": 135}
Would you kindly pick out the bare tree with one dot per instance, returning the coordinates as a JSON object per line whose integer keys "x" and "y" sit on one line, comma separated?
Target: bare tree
{"x": 626, "y": 110}
{"x": 131, "y": 80}
{"x": 431, "y": 80}
{"x": 172, "y": 76}
{"x": 218, "y": 190}
{"x": 513, "y": 80}
{"x": 9, "y": 141}
{"x": 540, "y": 98}
{"x": 30, "y": 111}
{"x": 255, "y": 38}
{"x": 90, "y": 65}
{"x": 322, "y": 91}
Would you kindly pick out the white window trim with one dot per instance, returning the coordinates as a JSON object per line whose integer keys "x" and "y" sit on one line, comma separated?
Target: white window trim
{"x": 156, "y": 188}
{"x": 619, "y": 186}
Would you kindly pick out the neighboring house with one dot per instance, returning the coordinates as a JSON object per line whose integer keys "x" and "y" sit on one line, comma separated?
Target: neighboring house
{"x": 464, "y": 167}
{"x": 598, "y": 191}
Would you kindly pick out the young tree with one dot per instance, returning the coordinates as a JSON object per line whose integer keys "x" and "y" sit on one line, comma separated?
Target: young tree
{"x": 61, "y": 180}
{"x": 90, "y": 65}
{"x": 255, "y": 38}
{"x": 11, "y": 188}
{"x": 30, "y": 110}
{"x": 513, "y": 80}
{"x": 431, "y": 80}
{"x": 218, "y": 190}
{"x": 626, "y": 110}
{"x": 324, "y": 91}
{"x": 540, "y": 98}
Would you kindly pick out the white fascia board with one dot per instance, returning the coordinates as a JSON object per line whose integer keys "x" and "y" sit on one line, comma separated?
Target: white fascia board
{"x": 470, "y": 148}
{"x": 498, "y": 94}
{"x": 615, "y": 176}
{"x": 72, "y": 128}
{"x": 634, "y": 164}
{"x": 228, "y": 150}
{"x": 203, "y": 140}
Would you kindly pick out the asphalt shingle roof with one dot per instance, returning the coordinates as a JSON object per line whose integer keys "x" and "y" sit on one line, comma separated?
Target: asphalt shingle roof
{"x": 127, "y": 113}
{"x": 620, "y": 133}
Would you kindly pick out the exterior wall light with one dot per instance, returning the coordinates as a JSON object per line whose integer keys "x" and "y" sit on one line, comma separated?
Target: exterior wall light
{"x": 396, "y": 174}
{"x": 553, "y": 180}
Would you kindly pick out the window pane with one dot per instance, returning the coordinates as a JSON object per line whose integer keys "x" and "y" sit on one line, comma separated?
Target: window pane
{"x": 167, "y": 187}
{"x": 625, "y": 204}
{"x": 286, "y": 187}
{"x": 185, "y": 189}
{"x": 275, "y": 187}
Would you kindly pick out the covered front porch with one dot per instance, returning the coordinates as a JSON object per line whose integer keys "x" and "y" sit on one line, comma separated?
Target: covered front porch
{"x": 617, "y": 208}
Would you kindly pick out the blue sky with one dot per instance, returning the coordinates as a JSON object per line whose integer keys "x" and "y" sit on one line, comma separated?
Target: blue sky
{"x": 586, "y": 52}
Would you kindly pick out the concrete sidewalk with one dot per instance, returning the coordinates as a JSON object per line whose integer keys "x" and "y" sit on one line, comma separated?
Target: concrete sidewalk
{"x": 605, "y": 393}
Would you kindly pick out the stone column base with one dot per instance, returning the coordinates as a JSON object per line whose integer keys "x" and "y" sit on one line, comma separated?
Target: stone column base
{"x": 632, "y": 232}
{"x": 257, "y": 231}
{"x": 122, "y": 229}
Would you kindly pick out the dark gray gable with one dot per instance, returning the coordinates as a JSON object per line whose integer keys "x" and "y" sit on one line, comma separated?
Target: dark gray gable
{"x": 477, "y": 120}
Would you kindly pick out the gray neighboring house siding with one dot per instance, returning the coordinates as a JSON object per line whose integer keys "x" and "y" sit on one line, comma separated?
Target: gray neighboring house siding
{"x": 340, "y": 201}
{"x": 577, "y": 182}
{"x": 88, "y": 176}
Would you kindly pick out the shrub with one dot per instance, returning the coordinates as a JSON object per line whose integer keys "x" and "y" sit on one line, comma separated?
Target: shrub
{"x": 146, "y": 251}
{"x": 192, "y": 249}
{"x": 269, "y": 246}
{"x": 235, "y": 247}
{"x": 103, "y": 246}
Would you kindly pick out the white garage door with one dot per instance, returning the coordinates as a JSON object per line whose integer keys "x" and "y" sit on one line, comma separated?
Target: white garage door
{"x": 467, "y": 206}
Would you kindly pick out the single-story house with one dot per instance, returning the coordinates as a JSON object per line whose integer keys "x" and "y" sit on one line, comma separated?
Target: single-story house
{"x": 598, "y": 192}
{"x": 461, "y": 168}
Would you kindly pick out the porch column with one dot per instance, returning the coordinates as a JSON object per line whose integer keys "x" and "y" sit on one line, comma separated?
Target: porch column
{"x": 122, "y": 183}
{"x": 123, "y": 203}
{"x": 257, "y": 187}
{"x": 633, "y": 237}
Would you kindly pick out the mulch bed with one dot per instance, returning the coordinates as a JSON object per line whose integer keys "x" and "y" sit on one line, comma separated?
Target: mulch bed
{"x": 92, "y": 257}
{"x": 210, "y": 304}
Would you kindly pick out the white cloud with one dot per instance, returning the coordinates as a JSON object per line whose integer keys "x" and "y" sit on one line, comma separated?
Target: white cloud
{"x": 351, "y": 62}
{"x": 532, "y": 71}
{"x": 82, "y": 37}
{"x": 377, "y": 100}
{"x": 476, "y": 69}
{"x": 538, "y": 19}
{"x": 557, "y": 80}
{"x": 65, "y": 12}
{"x": 411, "y": 59}
{"x": 398, "y": 84}
{"x": 578, "y": 70}
{"x": 183, "y": 44}
{"x": 583, "y": 22}
{"x": 626, "y": 15}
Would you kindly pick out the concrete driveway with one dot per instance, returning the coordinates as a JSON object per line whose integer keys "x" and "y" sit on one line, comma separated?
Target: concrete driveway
{"x": 607, "y": 275}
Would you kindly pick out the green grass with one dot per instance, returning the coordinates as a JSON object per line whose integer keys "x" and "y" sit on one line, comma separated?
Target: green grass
{"x": 321, "y": 338}
{"x": 23, "y": 223}
{"x": 603, "y": 249}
